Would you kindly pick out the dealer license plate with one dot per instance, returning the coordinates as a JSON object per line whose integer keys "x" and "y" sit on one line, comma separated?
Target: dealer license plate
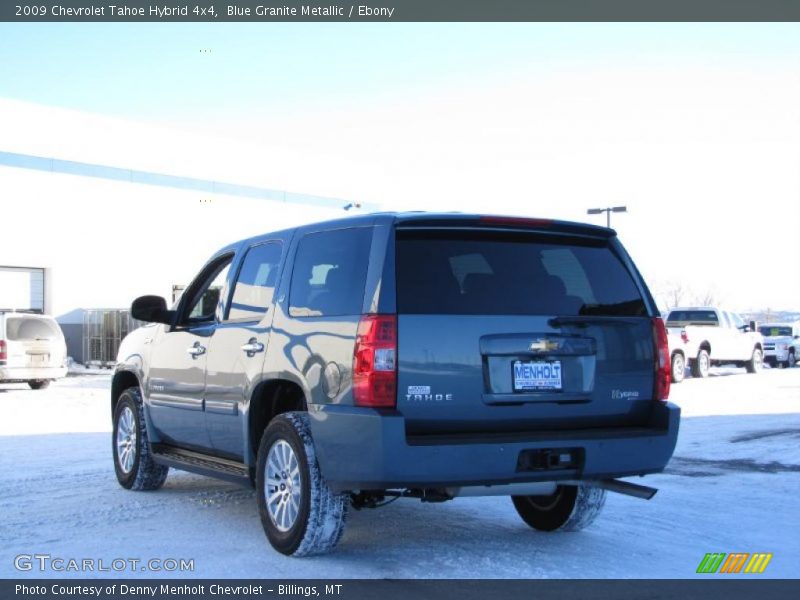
{"x": 39, "y": 359}
{"x": 537, "y": 375}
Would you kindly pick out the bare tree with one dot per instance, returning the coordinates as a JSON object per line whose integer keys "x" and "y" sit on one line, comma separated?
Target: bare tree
{"x": 709, "y": 297}
{"x": 675, "y": 293}
{"x": 672, "y": 293}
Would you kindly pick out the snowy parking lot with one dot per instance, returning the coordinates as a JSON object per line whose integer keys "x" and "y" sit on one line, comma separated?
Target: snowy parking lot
{"x": 732, "y": 486}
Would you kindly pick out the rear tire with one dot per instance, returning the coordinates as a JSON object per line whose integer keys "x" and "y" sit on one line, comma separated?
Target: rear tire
{"x": 678, "y": 370}
{"x": 39, "y": 384}
{"x": 133, "y": 459}
{"x": 754, "y": 364}
{"x": 300, "y": 514}
{"x": 701, "y": 364}
{"x": 570, "y": 508}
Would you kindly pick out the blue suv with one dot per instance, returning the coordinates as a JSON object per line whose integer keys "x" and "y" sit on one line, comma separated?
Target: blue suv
{"x": 430, "y": 356}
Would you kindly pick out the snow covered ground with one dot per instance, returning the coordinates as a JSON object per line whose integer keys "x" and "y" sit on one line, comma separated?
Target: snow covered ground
{"x": 733, "y": 486}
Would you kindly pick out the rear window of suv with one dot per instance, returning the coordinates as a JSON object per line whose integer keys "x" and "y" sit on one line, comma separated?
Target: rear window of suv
{"x": 491, "y": 273}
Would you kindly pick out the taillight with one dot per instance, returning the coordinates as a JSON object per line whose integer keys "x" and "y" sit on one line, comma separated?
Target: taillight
{"x": 3, "y": 350}
{"x": 375, "y": 362}
{"x": 684, "y": 336}
{"x": 663, "y": 367}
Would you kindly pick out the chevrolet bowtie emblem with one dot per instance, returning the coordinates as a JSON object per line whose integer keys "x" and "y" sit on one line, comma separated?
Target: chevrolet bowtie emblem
{"x": 543, "y": 345}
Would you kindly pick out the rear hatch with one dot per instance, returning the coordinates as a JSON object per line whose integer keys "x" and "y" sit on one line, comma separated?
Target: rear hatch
{"x": 34, "y": 341}
{"x": 506, "y": 329}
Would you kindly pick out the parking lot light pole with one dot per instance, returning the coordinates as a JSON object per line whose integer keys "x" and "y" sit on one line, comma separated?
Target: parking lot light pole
{"x": 608, "y": 211}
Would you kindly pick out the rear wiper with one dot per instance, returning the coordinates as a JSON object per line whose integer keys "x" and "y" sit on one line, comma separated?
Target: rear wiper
{"x": 585, "y": 321}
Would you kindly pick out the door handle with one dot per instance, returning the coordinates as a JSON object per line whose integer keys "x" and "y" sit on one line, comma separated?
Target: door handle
{"x": 196, "y": 350}
{"x": 252, "y": 346}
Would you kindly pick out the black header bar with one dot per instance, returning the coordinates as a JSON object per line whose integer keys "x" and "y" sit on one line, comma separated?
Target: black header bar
{"x": 400, "y": 11}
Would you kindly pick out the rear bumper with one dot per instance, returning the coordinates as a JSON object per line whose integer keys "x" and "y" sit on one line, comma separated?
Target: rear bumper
{"x": 9, "y": 374}
{"x": 359, "y": 449}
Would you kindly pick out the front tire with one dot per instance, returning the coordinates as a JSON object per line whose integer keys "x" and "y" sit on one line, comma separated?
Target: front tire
{"x": 790, "y": 360}
{"x": 570, "y": 508}
{"x": 133, "y": 460}
{"x": 701, "y": 364}
{"x": 39, "y": 384}
{"x": 300, "y": 514}
{"x": 678, "y": 370}
{"x": 754, "y": 364}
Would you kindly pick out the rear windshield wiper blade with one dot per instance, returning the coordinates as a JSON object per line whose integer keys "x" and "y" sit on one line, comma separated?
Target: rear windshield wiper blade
{"x": 586, "y": 320}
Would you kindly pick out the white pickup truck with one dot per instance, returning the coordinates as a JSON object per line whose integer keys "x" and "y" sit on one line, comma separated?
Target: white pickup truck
{"x": 702, "y": 336}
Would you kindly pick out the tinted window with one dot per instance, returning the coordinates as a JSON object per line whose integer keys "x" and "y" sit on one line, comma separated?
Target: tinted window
{"x": 692, "y": 317}
{"x": 255, "y": 285}
{"x": 477, "y": 273}
{"x": 329, "y": 274}
{"x": 205, "y": 293}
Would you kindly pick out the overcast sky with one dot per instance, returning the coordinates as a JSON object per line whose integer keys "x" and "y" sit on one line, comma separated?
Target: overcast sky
{"x": 695, "y": 127}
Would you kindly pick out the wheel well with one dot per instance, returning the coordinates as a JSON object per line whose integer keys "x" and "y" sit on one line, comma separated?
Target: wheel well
{"x": 269, "y": 400}
{"x": 706, "y": 346}
{"x": 674, "y": 352}
{"x": 121, "y": 382}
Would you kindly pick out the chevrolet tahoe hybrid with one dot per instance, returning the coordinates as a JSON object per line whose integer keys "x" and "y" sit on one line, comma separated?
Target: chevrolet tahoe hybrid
{"x": 347, "y": 363}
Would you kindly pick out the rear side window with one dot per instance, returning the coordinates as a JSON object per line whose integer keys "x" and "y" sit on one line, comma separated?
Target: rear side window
{"x": 255, "y": 285}
{"x": 490, "y": 273}
{"x": 330, "y": 271}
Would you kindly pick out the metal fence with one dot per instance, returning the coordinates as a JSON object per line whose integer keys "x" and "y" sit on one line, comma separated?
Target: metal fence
{"x": 103, "y": 330}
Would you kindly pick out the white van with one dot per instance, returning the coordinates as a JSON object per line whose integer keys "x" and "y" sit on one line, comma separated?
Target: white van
{"x": 32, "y": 349}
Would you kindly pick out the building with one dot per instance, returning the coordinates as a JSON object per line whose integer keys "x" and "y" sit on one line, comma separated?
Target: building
{"x": 111, "y": 210}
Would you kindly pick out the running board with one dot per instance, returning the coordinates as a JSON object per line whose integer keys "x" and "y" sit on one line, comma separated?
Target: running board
{"x": 202, "y": 464}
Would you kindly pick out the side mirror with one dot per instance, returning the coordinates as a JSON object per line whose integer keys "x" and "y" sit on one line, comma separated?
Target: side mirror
{"x": 753, "y": 326}
{"x": 152, "y": 309}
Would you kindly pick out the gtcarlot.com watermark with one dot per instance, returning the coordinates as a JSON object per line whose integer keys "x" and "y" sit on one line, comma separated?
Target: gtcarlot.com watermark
{"x": 59, "y": 564}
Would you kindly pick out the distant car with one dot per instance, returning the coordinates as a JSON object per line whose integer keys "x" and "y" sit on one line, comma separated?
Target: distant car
{"x": 32, "y": 349}
{"x": 781, "y": 343}
{"x": 711, "y": 336}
